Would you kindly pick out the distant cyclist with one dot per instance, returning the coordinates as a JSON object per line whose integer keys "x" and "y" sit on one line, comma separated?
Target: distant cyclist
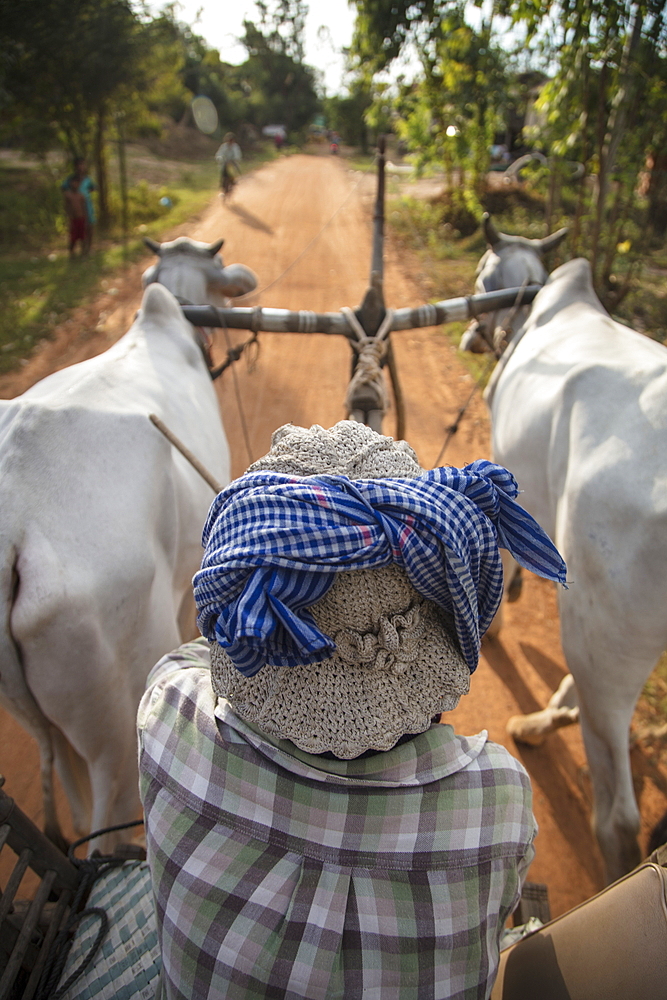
{"x": 229, "y": 159}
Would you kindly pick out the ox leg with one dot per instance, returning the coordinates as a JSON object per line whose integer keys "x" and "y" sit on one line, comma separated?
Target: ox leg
{"x": 51, "y": 823}
{"x": 562, "y": 710}
{"x": 113, "y": 779}
{"x": 73, "y": 773}
{"x": 38, "y": 726}
{"x": 511, "y": 571}
{"x": 94, "y": 703}
{"x": 615, "y": 813}
{"x": 610, "y": 662}
{"x": 515, "y": 586}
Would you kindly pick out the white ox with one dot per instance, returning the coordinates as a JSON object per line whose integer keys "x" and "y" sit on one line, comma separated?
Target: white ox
{"x": 579, "y": 414}
{"x": 100, "y": 536}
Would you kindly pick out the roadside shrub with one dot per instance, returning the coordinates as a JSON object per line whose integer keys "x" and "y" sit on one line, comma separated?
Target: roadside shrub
{"x": 143, "y": 203}
{"x": 31, "y": 208}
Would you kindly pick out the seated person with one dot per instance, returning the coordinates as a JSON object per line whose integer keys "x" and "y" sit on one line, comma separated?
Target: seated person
{"x": 312, "y": 832}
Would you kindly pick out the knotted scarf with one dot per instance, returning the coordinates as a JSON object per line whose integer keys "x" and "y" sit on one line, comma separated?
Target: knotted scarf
{"x": 273, "y": 544}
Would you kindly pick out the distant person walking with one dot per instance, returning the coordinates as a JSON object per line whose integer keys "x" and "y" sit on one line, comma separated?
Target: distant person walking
{"x": 75, "y": 206}
{"x": 228, "y": 158}
{"x": 85, "y": 186}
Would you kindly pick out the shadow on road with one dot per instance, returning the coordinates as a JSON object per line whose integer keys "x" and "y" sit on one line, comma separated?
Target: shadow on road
{"x": 504, "y": 667}
{"x": 248, "y": 219}
{"x": 555, "y": 773}
{"x": 550, "y": 671}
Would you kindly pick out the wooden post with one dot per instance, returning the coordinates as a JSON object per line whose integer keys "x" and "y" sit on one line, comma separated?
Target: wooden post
{"x": 377, "y": 262}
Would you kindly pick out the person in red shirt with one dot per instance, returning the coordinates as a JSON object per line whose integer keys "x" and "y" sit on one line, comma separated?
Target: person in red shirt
{"x": 75, "y": 206}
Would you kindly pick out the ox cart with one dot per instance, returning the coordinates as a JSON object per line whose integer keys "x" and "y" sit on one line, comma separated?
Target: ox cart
{"x": 88, "y": 929}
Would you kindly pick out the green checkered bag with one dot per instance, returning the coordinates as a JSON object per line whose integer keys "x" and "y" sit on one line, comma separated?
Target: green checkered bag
{"x": 128, "y": 963}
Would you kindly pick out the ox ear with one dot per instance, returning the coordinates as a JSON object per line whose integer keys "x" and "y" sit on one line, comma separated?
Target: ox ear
{"x": 237, "y": 279}
{"x": 215, "y": 248}
{"x": 152, "y": 245}
{"x": 491, "y": 234}
{"x": 554, "y": 240}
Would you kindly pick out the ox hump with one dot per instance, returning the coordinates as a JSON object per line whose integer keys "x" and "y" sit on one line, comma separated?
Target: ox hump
{"x": 159, "y": 306}
{"x": 569, "y": 285}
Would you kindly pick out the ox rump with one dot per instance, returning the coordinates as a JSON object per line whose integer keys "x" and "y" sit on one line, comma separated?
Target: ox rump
{"x": 579, "y": 414}
{"x": 99, "y": 539}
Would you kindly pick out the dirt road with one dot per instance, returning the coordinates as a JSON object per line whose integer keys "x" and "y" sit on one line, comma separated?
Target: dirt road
{"x": 304, "y": 224}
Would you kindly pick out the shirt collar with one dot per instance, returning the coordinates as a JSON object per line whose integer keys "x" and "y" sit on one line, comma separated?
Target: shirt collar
{"x": 430, "y": 756}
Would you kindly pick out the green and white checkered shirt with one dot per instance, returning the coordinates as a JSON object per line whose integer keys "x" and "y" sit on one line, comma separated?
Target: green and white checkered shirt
{"x": 284, "y": 875}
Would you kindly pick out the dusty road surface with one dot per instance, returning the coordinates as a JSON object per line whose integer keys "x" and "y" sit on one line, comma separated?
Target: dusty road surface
{"x": 304, "y": 224}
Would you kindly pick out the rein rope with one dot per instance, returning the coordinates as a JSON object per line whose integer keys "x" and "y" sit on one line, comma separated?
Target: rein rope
{"x": 507, "y": 331}
{"x": 91, "y": 869}
{"x": 481, "y": 379}
{"x": 234, "y": 354}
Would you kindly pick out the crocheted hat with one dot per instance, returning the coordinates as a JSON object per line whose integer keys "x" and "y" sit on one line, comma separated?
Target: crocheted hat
{"x": 397, "y": 662}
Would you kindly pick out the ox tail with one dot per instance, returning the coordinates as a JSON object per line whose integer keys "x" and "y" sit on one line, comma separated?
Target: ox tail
{"x": 17, "y": 698}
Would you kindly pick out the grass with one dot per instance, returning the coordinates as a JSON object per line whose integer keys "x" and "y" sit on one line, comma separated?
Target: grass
{"x": 649, "y": 723}
{"x": 364, "y": 163}
{"x": 447, "y": 263}
{"x": 39, "y": 284}
{"x": 450, "y": 260}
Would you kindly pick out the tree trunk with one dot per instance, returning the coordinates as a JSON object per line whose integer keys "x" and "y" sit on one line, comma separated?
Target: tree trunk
{"x": 657, "y": 194}
{"x": 618, "y": 211}
{"x": 99, "y": 154}
{"x": 615, "y": 129}
{"x": 122, "y": 170}
{"x": 586, "y": 152}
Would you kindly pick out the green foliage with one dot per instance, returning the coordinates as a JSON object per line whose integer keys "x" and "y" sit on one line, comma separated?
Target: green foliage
{"x": 39, "y": 285}
{"x": 603, "y": 107}
{"x": 451, "y": 115}
{"x": 384, "y": 27}
{"x": 65, "y": 62}
{"x": 80, "y": 75}
{"x": 348, "y": 115}
{"x": 31, "y": 209}
{"x": 280, "y": 89}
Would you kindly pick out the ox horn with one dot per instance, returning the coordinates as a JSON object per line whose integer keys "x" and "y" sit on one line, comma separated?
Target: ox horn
{"x": 490, "y": 232}
{"x": 215, "y": 247}
{"x": 553, "y": 240}
{"x": 152, "y": 245}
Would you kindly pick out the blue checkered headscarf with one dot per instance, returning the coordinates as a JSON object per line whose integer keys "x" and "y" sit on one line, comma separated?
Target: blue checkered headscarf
{"x": 274, "y": 543}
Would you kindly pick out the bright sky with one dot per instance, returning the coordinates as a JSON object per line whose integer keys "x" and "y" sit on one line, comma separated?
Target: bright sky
{"x": 329, "y": 28}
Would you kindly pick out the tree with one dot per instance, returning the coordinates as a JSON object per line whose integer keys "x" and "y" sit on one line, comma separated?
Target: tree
{"x": 452, "y": 113}
{"x": 67, "y": 63}
{"x": 346, "y": 115}
{"x": 282, "y": 87}
{"x": 604, "y": 106}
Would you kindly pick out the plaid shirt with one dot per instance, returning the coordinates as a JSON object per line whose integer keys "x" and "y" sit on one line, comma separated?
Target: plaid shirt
{"x": 279, "y": 874}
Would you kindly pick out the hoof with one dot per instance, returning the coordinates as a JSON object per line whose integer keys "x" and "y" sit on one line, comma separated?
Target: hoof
{"x": 531, "y": 730}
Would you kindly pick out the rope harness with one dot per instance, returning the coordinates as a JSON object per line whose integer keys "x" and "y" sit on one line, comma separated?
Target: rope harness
{"x": 502, "y": 338}
{"x": 367, "y": 389}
